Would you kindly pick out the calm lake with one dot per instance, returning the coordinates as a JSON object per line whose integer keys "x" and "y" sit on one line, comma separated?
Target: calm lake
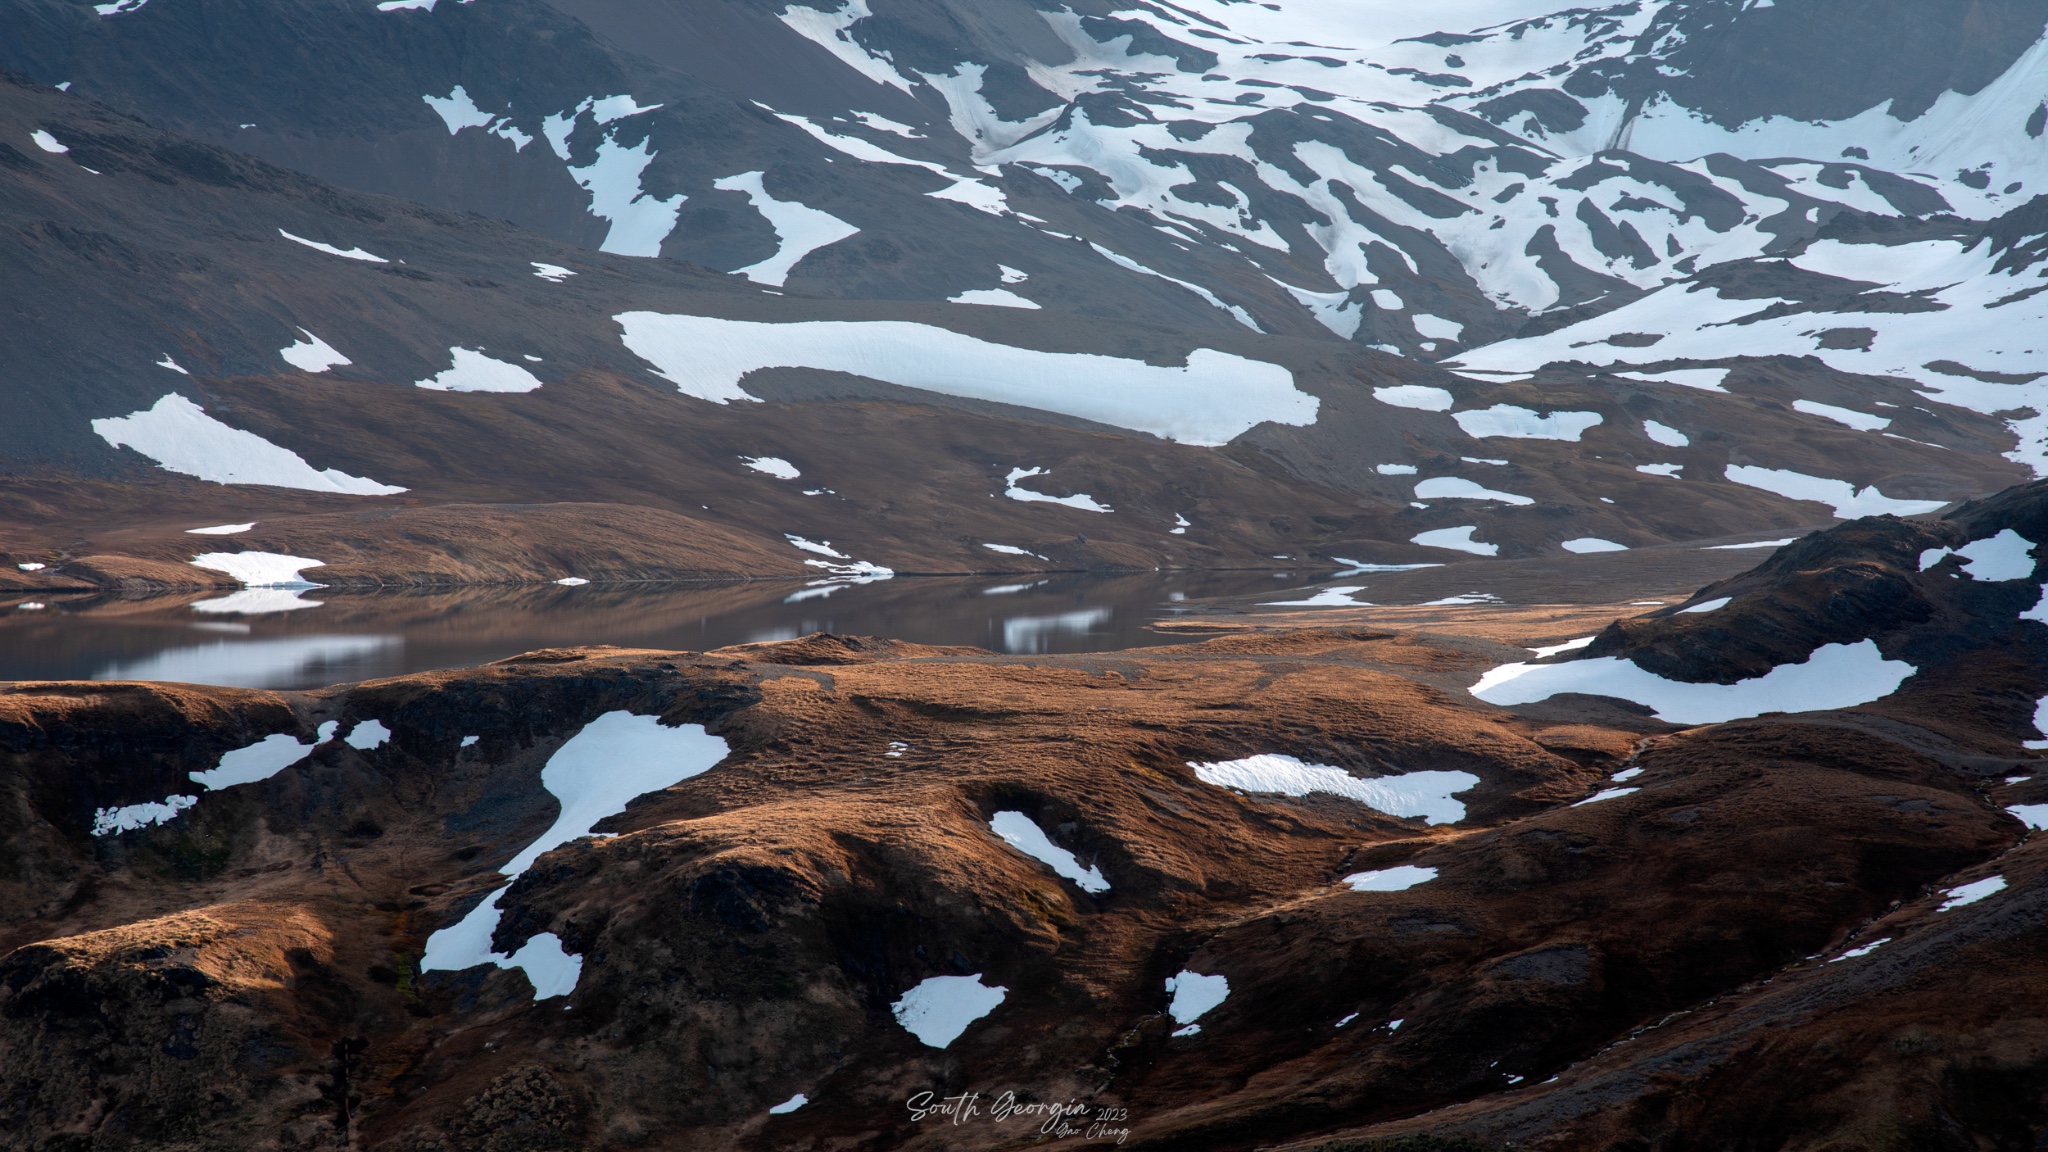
{"x": 273, "y": 638}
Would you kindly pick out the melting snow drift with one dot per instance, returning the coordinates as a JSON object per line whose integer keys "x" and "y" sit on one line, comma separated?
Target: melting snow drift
{"x": 1412, "y": 794}
{"x": 1019, "y": 832}
{"x": 1835, "y": 676}
{"x": 613, "y": 759}
{"x": 181, "y": 437}
{"x": 476, "y": 372}
{"x": 1215, "y": 397}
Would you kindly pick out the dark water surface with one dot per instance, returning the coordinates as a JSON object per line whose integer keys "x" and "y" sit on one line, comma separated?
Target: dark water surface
{"x": 271, "y": 638}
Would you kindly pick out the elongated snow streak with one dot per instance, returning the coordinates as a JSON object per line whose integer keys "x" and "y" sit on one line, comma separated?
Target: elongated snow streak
{"x": 1459, "y": 488}
{"x": 613, "y": 759}
{"x": 331, "y": 250}
{"x": 1426, "y": 795}
{"x": 1213, "y": 398}
{"x": 1835, "y": 676}
{"x": 1014, "y": 489}
{"x": 1021, "y": 833}
{"x": 1847, "y": 501}
{"x": 1398, "y": 879}
{"x": 181, "y": 437}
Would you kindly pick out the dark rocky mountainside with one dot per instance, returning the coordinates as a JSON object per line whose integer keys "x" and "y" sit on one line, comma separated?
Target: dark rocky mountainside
{"x": 1619, "y": 276}
{"x": 1292, "y": 881}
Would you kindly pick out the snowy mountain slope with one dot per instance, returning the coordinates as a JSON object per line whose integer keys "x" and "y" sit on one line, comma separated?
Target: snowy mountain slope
{"x": 1137, "y": 183}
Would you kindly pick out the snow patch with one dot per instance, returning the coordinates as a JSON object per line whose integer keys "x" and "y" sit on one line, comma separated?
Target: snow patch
{"x": 1194, "y": 995}
{"x": 2034, "y": 816}
{"x": 1398, "y": 879}
{"x": 331, "y": 250}
{"x": 1458, "y": 488}
{"x": 1014, "y": 491}
{"x": 1972, "y": 892}
{"x": 47, "y": 142}
{"x": 1605, "y": 794}
{"x": 108, "y": 821}
{"x": 261, "y": 760}
{"x": 992, "y": 297}
{"x": 475, "y": 372}
{"x": 1421, "y": 397}
{"x": 639, "y": 221}
{"x": 790, "y": 1105}
{"x": 1585, "y": 544}
{"x": 1713, "y": 605}
{"x": 940, "y": 1008}
{"x": 1665, "y": 434}
{"x": 1457, "y": 539}
{"x": 1847, "y": 501}
{"x": 800, "y": 229}
{"x": 1425, "y": 795}
{"x": 1834, "y": 676}
{"x": 1021, "y": 833}
{"x": 1215, "y": 397}
{"x": 552, "y": 273}
{"x": 2006, "y": 556}
{"x": 1861, "y": 421}
{"x": 221, "y": 529}
{"x": 260, "y": 569}
{"x": 312, "y": 354}
{"x": 1524, "y": 424}
{"x": 367, "y": 735}
{"x": 774, "y": 466}
{"x": 594, "y": 774}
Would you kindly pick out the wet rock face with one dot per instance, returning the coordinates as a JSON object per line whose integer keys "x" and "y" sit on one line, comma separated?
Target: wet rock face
{"x": 1519, "y": 973}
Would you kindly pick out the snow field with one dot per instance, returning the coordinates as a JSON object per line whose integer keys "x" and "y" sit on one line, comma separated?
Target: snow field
{"x": 1213, "y": 398}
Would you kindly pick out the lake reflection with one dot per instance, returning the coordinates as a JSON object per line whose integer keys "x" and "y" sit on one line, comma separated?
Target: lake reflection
{"x": 285, "y": 638}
